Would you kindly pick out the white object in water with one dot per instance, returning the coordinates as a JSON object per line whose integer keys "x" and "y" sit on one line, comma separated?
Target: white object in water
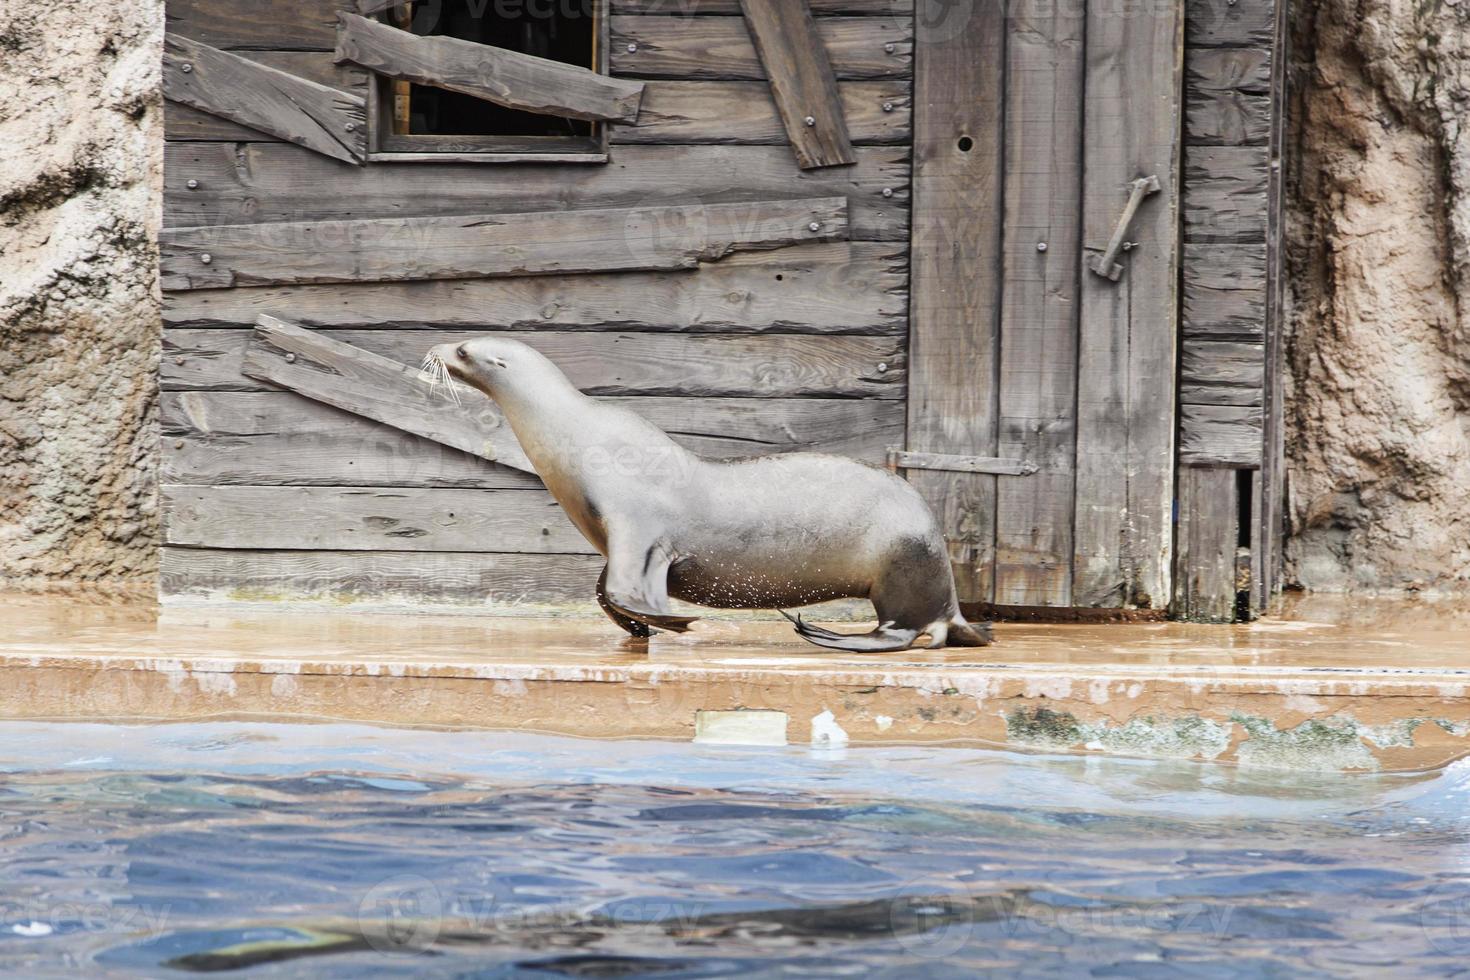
{"x": 31, "y": 929}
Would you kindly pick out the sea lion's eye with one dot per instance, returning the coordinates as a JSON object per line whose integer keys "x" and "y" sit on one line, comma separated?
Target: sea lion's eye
{"x": 463, "y": 350}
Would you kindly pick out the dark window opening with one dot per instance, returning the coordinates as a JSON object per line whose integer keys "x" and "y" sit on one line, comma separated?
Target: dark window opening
{"x": 1244, "y": 526}
{"x": 424, "y": 118}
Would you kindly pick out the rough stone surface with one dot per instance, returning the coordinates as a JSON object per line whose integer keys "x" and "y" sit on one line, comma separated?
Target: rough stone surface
{"x": 80, "y": 184}
{"x": 1378, "y": 425}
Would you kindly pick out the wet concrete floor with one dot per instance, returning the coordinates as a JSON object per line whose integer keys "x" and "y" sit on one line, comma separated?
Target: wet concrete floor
{"x": 1328, "y": 683}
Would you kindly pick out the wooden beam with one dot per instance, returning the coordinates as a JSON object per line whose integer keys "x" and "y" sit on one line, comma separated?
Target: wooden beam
{"x": 1204, "y": 590}
{"x": 1127, "y": 333}
{"x": 357, "y": 381}
{"x": 697, "y": 8}
{"x": 721, "y": 47}
{"x": 496, "y": 580}
{"x": 259, "y": 24}
{"x": 368, "y": 519}
{"x": 1038, "y": 346}
{"x": 832, "y": 287}
{"x": 1224, "y": 291}
{"x": 280, "y": 437}
{"x": 1225, "y": 193}
{"x": 318, "y": 117}
{"x": 743, "y": 112}
{"x": 801, "y": 80}
{"x": 488, "y": 245}
{"x": 182, "y": 122}
{"x": 499, "y": 75}
{"x": 1220, "y": 435}
{"x": 625, "y": 363}
{"x": 958, "y": 138}
{"x": 265, "y": 182}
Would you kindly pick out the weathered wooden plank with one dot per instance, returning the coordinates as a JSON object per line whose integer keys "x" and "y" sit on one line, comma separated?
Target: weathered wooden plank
{"x": 834, "y": 287}
{"x": 1212, "y": 364}
{"x": 1220, "y": 435}
{"x": 690, "y": 8}
{"x": 278, "y": 437}
{"x": 295, "y": 109}
{"x": 1246, "y": 70}
{"x": 721, "y": 47}
{"x": 743, "y": 112}
{"x": 1227, "y": 118}
{"x": 1229, "y": 23}
{"x": 303, "y": 25}
{"x": 958, "y": 126}
{"x": 492, "y": 580}
{"x": 1125, "y": 427}
{"x": 314, "y": 364}
{"x": 267, "y": 182}
{"x": 774, "y": 366}
{"x": 368, "y": 519}
{"x": 182, "y": 122}
{"x": 1225, "y": 193}
{"x": 1270, "y": 483}
{"x": 1204, "y": 590}
{"x": 1038, "y": 353}
{"x": 359, "y": 452}
{"x": 801, "y": 81}
{"x": 499, "y": 75}
{"x": 1224, "y": 290}
{"x": 488, "y": 245}
{"x": 716, "y": 428}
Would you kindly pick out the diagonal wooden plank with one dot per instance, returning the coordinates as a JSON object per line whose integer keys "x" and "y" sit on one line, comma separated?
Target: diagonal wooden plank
{"x": 801, "y": 80}
{"x": 303, "y": 112}
{"x": 374, "y": 387}
{"x": 498, "y": 75}
{"x": 489, "y": 245}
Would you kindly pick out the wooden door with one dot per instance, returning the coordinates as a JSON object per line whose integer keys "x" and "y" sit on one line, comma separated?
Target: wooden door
{"x": 1041, "y": 383}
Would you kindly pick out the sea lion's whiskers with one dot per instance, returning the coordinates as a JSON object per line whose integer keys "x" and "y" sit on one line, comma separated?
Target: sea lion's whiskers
{"x": 436, "y": 373}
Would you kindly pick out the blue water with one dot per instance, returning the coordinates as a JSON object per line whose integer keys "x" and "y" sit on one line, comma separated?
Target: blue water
{"x": 346, "y": 851}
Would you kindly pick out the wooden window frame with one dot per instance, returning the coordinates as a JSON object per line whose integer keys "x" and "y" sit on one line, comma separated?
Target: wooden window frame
{"x": 384, "y": 146}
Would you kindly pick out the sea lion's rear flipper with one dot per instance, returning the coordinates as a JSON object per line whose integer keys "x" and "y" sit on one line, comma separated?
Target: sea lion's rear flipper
{"x": 884, "y": 639}
{"x": 965, "y": 634}
{"x": 636, "y": 584}
{"x": 633, "y": 626}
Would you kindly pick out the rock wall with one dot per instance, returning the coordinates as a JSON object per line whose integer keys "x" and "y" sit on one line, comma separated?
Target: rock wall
{"x": 80, "y": 185}
{"x": 1378, "y": 403}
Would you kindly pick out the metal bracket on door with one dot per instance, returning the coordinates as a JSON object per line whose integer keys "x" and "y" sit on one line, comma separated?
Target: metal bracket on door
{"x": 1106, "y": 264}
{"x": 899, "y": 459}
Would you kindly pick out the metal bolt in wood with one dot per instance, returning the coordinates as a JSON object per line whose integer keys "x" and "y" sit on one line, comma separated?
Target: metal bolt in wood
{"x": 814, "y": 226}
{"x": 186, "y": 68}
{"x": 810, "y": 120}
{"x": 888, "y": 107}
{"x": 632, "y": 48}
{"x": 888, "y": 192}
{"x": 1041, "y": 246}
{"x": 206, "y": 258}
{"x": 192, "y": 184}
{"x": 889, "y": 47}
{"x": 290, "y": 358}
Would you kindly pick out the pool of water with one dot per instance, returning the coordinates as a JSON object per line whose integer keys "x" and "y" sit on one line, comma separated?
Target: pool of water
{"x": 348, "y": 851}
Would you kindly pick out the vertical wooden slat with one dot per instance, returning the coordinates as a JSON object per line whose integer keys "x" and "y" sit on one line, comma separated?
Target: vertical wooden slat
{"x": 1038, "y": 352}
{"x": 801, "y": 79}
{"x": 1205, "y": 543}
{"x": 1125, "y": 417}
{"x": 955, "y": 277}
{"x": 1267, "y": 539}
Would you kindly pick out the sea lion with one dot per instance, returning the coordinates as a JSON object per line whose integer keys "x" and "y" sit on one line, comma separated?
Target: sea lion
{"x": 762, "y": 533}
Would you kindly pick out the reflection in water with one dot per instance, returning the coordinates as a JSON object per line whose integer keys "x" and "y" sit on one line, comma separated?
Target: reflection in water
{"x": 344, "y": 851}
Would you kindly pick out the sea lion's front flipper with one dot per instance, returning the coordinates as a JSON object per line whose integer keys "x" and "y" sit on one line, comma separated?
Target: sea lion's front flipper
{"x": 636, "y": 583}
{"x": 633, "y": 626}
{"x": 884, "y": 639}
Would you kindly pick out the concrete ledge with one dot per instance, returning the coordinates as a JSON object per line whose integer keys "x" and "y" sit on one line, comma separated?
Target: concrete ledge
{"x": 1283, "y": 694}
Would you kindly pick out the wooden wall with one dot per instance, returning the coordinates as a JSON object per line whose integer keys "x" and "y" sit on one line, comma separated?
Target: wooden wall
{"x": 269, "y": 494}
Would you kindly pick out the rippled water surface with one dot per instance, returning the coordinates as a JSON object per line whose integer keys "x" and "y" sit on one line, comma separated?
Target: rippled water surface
{"x": 343, "y": 851}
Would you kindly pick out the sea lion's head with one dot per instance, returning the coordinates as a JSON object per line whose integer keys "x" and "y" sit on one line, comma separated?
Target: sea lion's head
{"x": 492, "y": 364}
